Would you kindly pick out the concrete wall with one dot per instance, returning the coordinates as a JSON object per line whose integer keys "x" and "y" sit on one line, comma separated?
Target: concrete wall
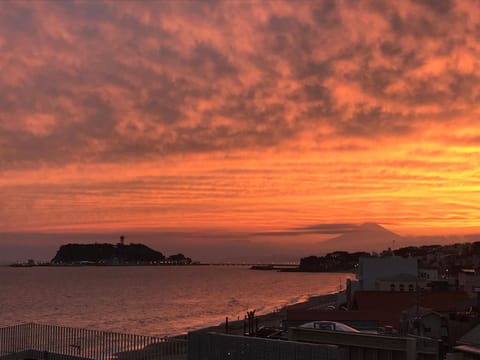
{"x": 213, "y": 346}
{"x": 386, "y": 285}
{"x": 432, "y": 326}
{"x": 362, "y": 346}
{"x": 370, "y": 269}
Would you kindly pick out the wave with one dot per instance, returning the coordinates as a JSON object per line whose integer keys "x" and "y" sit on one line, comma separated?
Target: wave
{"x": 166, "y": 301}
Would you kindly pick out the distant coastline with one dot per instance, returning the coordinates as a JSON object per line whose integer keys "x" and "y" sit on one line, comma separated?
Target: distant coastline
{"x": 49, "y": 264}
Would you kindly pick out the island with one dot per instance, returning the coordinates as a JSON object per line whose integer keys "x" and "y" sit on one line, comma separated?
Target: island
{"x": 110, "y": 254}
{"x": 107, "y": 254}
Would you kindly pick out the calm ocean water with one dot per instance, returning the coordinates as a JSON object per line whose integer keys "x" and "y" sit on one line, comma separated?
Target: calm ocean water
{"x": 150, "y": 300}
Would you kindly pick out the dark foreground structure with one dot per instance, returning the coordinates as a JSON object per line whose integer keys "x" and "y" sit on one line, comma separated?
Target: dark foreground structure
{"x": 311, "y": 344}
{"x": 47, "y": 342}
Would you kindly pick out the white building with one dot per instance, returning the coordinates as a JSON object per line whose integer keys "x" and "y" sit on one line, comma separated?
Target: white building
{"x": 372, "y": 268}
{"x": 401, "y": 282}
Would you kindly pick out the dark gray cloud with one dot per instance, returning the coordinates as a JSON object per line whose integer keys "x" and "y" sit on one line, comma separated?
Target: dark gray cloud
{"x": 211, "y": 76}
{"x": 440, "y": 7}
{"x": 375, "y": 120}
{"x": 318, "y": 229}
{"x": 205, "y": 56}
{"x": 339, "y": 228}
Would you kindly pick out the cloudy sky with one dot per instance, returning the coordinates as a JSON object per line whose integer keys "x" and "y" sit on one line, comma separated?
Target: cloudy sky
{"x": 239, "y": 116}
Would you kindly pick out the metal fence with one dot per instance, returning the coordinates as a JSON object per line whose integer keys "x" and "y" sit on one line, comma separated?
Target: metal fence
{"x": 48, "y": 342}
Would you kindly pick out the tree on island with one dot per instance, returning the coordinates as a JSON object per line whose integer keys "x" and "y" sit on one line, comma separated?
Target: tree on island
{"x": 106, "y": 254}
{"x": 179, "y": 259}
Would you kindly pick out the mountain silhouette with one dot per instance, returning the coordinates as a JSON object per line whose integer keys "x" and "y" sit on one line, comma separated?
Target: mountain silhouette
{"x": 366, "y": 237}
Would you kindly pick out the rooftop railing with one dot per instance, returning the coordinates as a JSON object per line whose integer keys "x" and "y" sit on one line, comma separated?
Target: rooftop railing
{"x": 49, "y": 342}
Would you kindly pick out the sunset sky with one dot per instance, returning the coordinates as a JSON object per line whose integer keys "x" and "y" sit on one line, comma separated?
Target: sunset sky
{"x": 239, "y": 116}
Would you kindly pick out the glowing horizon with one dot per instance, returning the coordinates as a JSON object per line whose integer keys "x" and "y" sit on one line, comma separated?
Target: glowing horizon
{"x": 239, "y": 116}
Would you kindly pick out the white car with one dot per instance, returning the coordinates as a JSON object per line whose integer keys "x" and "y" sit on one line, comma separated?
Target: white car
{"x": 328, "y": 325}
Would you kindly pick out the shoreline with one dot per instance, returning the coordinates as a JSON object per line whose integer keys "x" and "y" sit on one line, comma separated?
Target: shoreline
{"x": 274, "y": 319}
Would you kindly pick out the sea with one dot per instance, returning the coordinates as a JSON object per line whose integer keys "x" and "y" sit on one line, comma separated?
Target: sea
{"x": 151, "y": 300}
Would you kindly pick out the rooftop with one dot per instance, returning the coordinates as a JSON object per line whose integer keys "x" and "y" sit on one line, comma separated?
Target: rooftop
{"x": 397, "y": 301}
{"x": 472, "y": 337}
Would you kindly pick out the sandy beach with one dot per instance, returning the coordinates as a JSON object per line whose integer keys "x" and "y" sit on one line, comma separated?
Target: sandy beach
{"x": 274, "y": 319}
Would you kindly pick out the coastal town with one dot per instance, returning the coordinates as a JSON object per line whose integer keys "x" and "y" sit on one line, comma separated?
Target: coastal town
{"x": 408, "y": 303}
{"x": 293, "y": 179}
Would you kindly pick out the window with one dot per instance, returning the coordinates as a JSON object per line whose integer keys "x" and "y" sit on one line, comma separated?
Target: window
{"x": 410, "y": 288}
{"x": 402, "y": 287}
{"x": 392, "y": 287}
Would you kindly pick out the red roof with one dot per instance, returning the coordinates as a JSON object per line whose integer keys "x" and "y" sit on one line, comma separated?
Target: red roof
{"x": 398, "y": 301}
{"x": 385, "y": 307}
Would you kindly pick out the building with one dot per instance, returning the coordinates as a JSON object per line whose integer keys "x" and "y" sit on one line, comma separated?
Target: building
{"x": 441, "y": 302}
{"x": 371, "y": 268}
{"x": 422, "y": 321}
{"x": 374, "y": 310}
{"x": 215, "y": 346}
{"x": 468, "y": 347}
{"x": 400, "y": 282}
{"x": 361, "y": 345}
{"x": 306, "y": 343}
{"x": 469, "y": 281}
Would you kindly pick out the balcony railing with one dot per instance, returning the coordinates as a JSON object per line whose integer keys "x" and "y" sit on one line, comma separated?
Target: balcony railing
{"x": 48, "y": 342}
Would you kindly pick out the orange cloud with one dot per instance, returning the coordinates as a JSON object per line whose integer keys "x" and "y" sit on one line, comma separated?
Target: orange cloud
{"x": 238, "y": 115}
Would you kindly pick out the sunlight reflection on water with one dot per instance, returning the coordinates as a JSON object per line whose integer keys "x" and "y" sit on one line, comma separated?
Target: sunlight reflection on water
{"x": 150, "y": 300}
